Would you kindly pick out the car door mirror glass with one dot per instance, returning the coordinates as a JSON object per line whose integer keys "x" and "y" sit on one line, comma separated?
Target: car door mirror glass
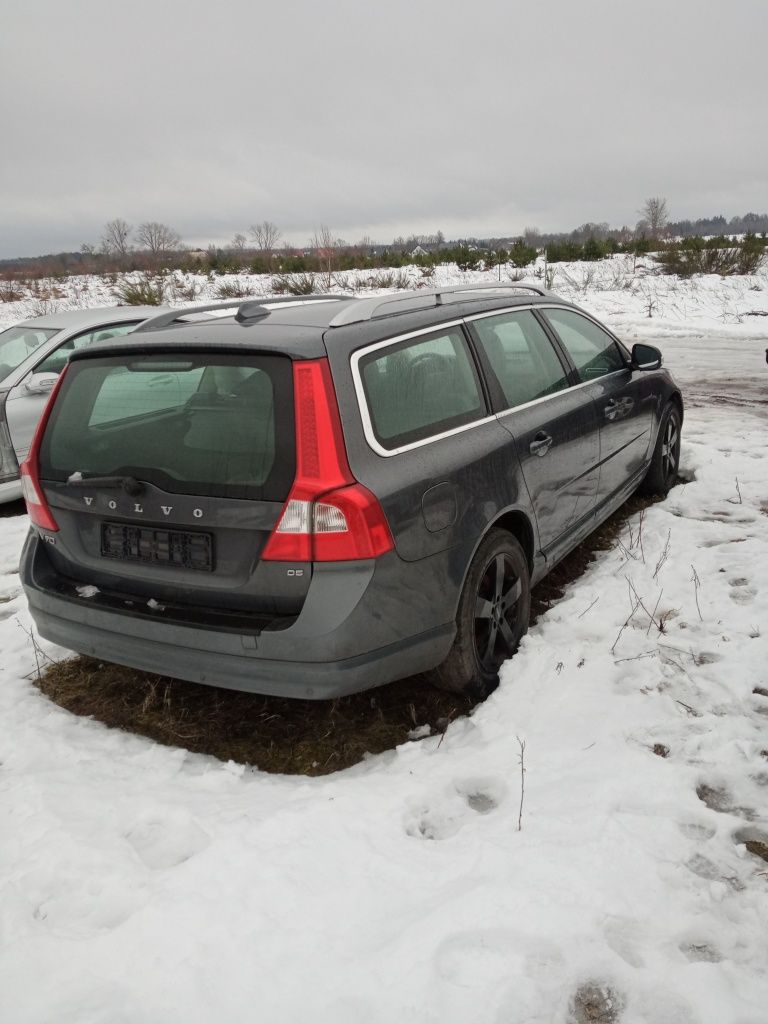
{"x": 645, "y": 357}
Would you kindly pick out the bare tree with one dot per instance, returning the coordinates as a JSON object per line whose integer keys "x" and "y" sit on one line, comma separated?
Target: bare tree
{"x": 157, "y": 238}
{"x": 239, "y": 242}
{"x": 266, "y": 235}
{"x": 654, "y": 216}
{"x": 325, "y": 247}
{"x": 114, "y": 240}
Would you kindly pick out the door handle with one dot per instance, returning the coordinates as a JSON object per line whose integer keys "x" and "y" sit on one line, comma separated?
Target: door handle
{"x": 611, "y": 410}
{"x": 541, "y": 444}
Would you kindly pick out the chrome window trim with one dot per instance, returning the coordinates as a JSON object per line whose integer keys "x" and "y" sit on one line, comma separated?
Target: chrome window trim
{"x": 362, "y": 401}
{"x": 555, "y": 394}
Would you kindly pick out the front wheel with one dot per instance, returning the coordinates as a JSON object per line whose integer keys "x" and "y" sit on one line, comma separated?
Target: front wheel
{"x": 665, "y": 462}
{"x": 492, "y": 617}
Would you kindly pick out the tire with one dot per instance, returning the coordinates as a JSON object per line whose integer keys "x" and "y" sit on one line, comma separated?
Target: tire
{"x": 492, "y": 617}
{"x": 665, "y": 461}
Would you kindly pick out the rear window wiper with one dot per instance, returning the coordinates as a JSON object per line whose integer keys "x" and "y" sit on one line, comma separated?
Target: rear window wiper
{"x": 129, "y": 484}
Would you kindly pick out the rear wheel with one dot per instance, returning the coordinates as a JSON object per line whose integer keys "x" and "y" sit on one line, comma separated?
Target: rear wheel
{"x": 492, "y": 617}
{"x": 665, "y": 462}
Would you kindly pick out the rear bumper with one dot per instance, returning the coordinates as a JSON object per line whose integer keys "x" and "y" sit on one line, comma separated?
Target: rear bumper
{"x": 355, "y": 631}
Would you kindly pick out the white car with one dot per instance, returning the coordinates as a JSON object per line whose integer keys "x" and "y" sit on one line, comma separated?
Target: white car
{"x": 32, "y": 355}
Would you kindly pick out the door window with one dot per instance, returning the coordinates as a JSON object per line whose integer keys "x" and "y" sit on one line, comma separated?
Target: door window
{"x": 56, "y": 361}
{"x": 421, "y": 387}
{"x": 18, "y": 344}
{"x": 521, "y": 355}
{"x": 593, "y": 352}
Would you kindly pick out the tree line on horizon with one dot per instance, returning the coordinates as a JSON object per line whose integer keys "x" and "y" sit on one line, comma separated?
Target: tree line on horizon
{"x": 153, "y": 246}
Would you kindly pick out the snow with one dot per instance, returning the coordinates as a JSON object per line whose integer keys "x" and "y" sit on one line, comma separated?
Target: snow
{"x": 141, "y": 884}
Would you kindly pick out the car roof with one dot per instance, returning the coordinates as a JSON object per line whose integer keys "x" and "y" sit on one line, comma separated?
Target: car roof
{"x": 303, "y": 329}
{"x": 74, "y": 318}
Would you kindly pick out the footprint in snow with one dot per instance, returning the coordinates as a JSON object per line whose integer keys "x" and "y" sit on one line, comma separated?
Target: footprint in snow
{"x": 741, "y": 591}
{"x": 693, "y": 830}
{"x": 707, "y": 658}
{"x": 444, "y": 818}
{"x": 754, "y": 840}
{"x": 698, "y": 952}
{"x": 705, "y": 868}
{"x": 168, "y": 841}
{"x": 719, "y": 799}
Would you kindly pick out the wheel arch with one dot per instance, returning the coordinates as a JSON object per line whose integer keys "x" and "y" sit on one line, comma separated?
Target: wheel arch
{"x": 677, "y": 399}
{"x": 516, "y": 522}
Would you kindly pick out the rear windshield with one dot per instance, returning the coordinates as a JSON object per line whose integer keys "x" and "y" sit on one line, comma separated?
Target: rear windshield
{"x": 205, "y": 425}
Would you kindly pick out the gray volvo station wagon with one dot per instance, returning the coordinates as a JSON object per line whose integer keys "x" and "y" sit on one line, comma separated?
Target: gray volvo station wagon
{"x": 313, "y": 497}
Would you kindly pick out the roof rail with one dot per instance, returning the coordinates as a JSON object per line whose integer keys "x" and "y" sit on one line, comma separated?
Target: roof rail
{"x": 249, "y": 310}
{"x": 252, "y": 310}
{"x": 368, "y": 309}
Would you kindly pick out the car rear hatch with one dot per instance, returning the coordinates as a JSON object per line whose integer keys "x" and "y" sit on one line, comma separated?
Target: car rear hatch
{"x": 166, "y": 474}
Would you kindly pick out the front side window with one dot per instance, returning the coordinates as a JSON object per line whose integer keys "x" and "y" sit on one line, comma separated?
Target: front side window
{"x": 593, "y": 351}
{"x": 421, "y": 387}
{"x": 18, "y": 343}
{"x": 56, "y": 361}
{"x": 521, "y": 356}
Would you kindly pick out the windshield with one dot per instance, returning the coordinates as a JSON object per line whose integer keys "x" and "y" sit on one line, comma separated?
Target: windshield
{"x": 19, "y": 342}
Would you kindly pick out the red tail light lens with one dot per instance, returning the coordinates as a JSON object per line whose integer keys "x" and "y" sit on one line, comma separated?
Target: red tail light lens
{"x": 38, "y": 509}
{"x": 328, "y": 515}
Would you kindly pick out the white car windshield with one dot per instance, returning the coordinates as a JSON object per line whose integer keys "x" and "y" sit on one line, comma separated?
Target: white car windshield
{"x": 17, "y": 343}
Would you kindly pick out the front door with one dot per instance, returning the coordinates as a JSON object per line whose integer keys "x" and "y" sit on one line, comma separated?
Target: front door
{"x": 554, "y": 425}
{"x": 624, "y": 404}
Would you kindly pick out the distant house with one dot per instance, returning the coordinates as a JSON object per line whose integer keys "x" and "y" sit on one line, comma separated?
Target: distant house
{"x": 198, "y": 255}
{"x": 418, "y": 251}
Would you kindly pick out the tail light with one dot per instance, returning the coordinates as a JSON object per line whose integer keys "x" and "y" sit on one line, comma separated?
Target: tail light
{"x": 37, "y": 507}
{"x": 329, "y": 516}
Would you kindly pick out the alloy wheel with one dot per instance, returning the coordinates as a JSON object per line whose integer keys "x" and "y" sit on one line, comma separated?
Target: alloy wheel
{"x": 669, "y": 448}
{"x": 496, "y": 627}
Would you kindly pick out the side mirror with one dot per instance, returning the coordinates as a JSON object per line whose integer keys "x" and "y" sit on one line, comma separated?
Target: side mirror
{"x": 40, "y": 383}
{"x": 645, "y": 357}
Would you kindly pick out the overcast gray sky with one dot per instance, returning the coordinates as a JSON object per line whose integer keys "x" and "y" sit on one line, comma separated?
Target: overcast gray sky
{"x": 476, "y": 118}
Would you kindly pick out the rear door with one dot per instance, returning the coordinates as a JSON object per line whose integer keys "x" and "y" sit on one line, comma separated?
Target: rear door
{"x": 624, "y": 404}
{"x": 167, "y": 473}
{"x": 554, "y": 425}
{"x": 437, "y": 450}
{"x": 28, "y": 398}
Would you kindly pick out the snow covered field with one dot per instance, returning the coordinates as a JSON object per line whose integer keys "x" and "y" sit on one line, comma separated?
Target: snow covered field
{"x": 141, "y": 884}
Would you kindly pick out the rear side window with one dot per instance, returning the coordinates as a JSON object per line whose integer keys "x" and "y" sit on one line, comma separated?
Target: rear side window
{"x": 211, "y": 425}
{"x": 521, "y": 356}
{"x": 421, "y": 387}
{"x": 593, "y": 352}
